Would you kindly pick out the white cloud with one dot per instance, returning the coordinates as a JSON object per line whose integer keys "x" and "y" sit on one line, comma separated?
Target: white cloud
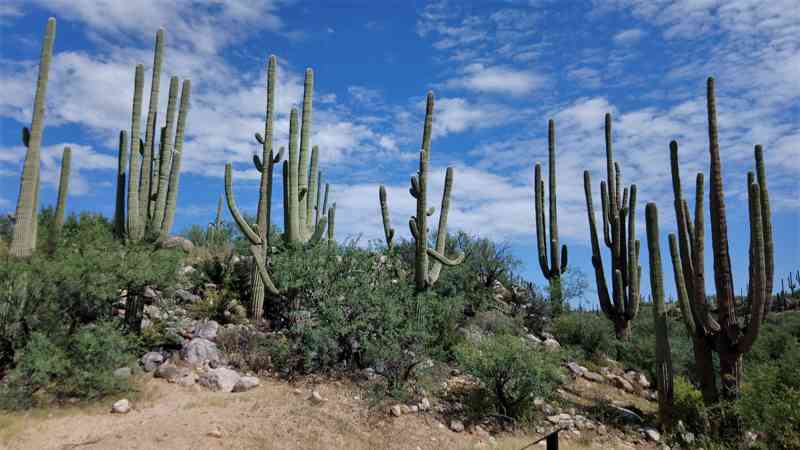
{"x": 497, "y": 79}
{"x": 628, "y": 37}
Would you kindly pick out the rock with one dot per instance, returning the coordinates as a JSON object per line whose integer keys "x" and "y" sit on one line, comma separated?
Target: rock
{"x": 246, "y": 383}
{"x": 533, "y": 339}
{"x": 622, "y": 383}
{"x": 576, "y": 369}
{"x": 750, "y": 439}
{"x": 652, "y": 434}
{"x": 396, "y": 410}
{"x": 170, "y": 372}
{"x": 457, "y": 426}
{"x": 601, "y": 430}
{"x": 151, "y": 361}
{"x": 219, "y": 379}
{"x": 123, "y": 372}
{"x": 316, "y": 398}
{"x": 186, "y": 296}
{"x": 215, "y": 433}
{"x": 594, "y": 376}
{"x": 206, "y": 329}
{"x": 413, "y": 409}
{"x": 186, "y": 380}
{"x": 149, "y": 293}
{"x": 199, "y": 350}
{"x": 627, "y": 415}
{"x": 424, "y": 404}
{"x": 121, "y": 406}
{"x": 187, "y": 270}
{"x": 551, "y": 344}
{"x": 405, "y": 409}
{"x": 547, "y": 335}
{"x": 178, "y": 242}
{"x": 642, "y": 381}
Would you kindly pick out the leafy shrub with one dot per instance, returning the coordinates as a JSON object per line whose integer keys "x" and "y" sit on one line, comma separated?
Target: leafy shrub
{"x": 510, "y": 372}
{"x": 249, "y": 349}
{"x": 688, "y": 405}
{"x": 586, "y": 331}
{"x": 79, "y": 366}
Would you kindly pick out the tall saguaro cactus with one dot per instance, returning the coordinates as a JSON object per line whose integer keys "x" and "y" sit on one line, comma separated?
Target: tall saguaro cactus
{"x": 423, "y": 276}
{"x": 664, "y": 374}
{"x": 724, "y": 335}
{"x": 23, "y": 242}
{"x": 619, "y": 232}
{"x": 557, "y": 268}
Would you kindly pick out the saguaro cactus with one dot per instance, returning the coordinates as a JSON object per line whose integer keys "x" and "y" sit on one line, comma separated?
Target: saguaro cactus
{"x": 664, "y": 372}
{"x": 724, "y": 334}
{"x": 557, "y": 268}
{"x": 122, "y": 169}
{"x": 23, "y": 242}
{"x": 388, "y": 231}
{"x": 145, "y": 183}
{"x": 619, "y": 212}
{"x": 63, "y": 189}
{"x": 423, "y": 277}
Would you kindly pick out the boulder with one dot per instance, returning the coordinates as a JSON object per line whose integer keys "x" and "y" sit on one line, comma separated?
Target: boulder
{"x": 178, "y": 242}
{"x": 206, "y": 329}
{"x": 151, "y": 361}
{"x": 246, "y": 383}
{"x": 551, "y": 344}
{"x": 622, "y": 383}
{"x": 186, "y": 296}
{"x": 123, "y": 372}
{"x": 199, "y": 350}
{"x": 121, "y": 406}
{"x": 642, "y": 381}
{"x": 576, "y": 369}
{"x": 219, "y": 379}
{"x": 316, "y": 398}
{"x": 171, "y": 373}
{"x": 594, "y": 376}
{"x": 396, "y": 410}
{"x": 457, "y": 426}
{"x": 652, "y": 434}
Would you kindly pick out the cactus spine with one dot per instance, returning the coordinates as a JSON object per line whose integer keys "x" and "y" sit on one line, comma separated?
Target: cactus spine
{"x": 388, "y": 231}
{"x": 23, "y": 242}
{"x": 724, "y": 334}
{"x": 423, "y": 277}
{"x": 63, "y": 189}
{"x": 664, "y": 372}
{"x": 557, "y": 268}
{"x": 618, "y": 207}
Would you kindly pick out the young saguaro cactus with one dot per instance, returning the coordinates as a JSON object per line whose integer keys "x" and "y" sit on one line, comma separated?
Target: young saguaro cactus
{"x": 63, "y": 190}
{"x": 619, "y": 213}
{"x": 664, "y": 374}
{"x": 724, "y": 335}
{"x": 423, "y": 276}
{"x": 556, "y": 268}
{"x": 388, "y": 231}
{"x": 23, "y": 242}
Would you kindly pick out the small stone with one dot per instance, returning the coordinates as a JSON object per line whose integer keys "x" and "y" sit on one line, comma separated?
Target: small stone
{"x": 297, "y": 392}
{"x": 316, "y": 398}
{"x": 246, "y": 383}
{"x": 396, "y": 410}
{"x": 575, "y": 369}
{"x": 413, "y": 409}
{"x": 171, "y": 372}
{"x": 206, "y": 329}
{"x": 186, "y": 296}
{"x": 149, "y": 293}
{"x": 121, "y": 407}
{"x": 457, "y": 426}
{"x": 594, "y": 376}
{"x": 551, "y": 344}
{"x": 652, "y": 434}
{"x": 405, "y": 409}
{"x": 178, "y": 242}
{"x": 424, "y": 404}
{"x": 215, "y": 433}
{"x": 186, "y": 380}
{"x": 533, "y": 339}
{"x": 123, "y": 372}
{"x": 623, "y": 384}
{"x": 642, "y": 381}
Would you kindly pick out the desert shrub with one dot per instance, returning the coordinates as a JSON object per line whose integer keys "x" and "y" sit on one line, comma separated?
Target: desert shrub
{"x": 249, "y": 349}
{"x": 496, "y": 322}
{"x": 511, "y": 374}
{"x": 77, "y": 366}
{"x": 688, "y": 406}
{"x": 770, "y": 400}
{"x": 587, "y": 331}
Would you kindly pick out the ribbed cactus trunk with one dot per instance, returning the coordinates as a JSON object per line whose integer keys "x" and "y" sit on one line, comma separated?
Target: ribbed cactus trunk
{"x": 664, "y": 374}
{"x": 122, "y": 169}
{"x": 23, "y": 242}
{"x": 135, "y": 224}
{"x": 145, "y": 193}
{"x": 165, "y": 157}
{"x": 305, "y": 136}
{"x": 63, "y": 190}
{"x": 175, "y": 167}
{"x": 724, "y": 334}
{"x": 388, "y": 231}
{"x": 425, "y": 277}
{"x": 619, "y": 232}
{"x": 557, "y": 266}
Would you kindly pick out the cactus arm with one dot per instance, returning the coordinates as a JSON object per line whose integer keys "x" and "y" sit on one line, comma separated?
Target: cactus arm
{"x": 325, "y": 201}
{"x": 687, "y": 311}
{"x": 421, "y": 256}
{"x": 257, "y": 163}
{"x": 604, "y": 205}
{"x": 286, "y": 219}
{"x": 264, "y": 200}
{"x": 757, "y": 262}
{"x": 388, "y": 231}
{"x": 63, "y": 189}
{"x": 135, "y": 230}
{"x": 175, "y": 169}
{"x": 563, "y": 258}
{"x": 23, "y": 241}
{"x": 766, "y": 218}
{"x": 597, "y": 261}
{"x": 441, "y": 233}
{"x": 610, "y": 167}
{"x": 254, "y": 238}
{"x": 441, "y": 259}
{"x": 166, "y": 154}
{"x": 312, "y": 188}
{"x": 318, "y": 206}
{"x": 551, "y": 150}
{"x": 293, "y": 226}
{"x": 698, "y": 249}
{"x": 262, "y": 270}
{"x": 155, "y": 84}
{"x": 618, "y": 181}
{"x": 633, "y": 257}
{"x": 122, "y": 168}
{"x": 541, "y": 230}
{"x": 684, "y": 237}
{"x": 331, "y": 219}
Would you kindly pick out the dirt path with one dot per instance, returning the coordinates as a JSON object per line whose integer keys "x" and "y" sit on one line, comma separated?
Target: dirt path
{"x": 275, "y": 415}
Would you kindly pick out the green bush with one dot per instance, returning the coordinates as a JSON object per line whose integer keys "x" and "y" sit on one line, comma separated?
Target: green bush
{"x": 510, "y": 372}
{"x": 79, "y": 366}
{"x": 688, "y": 406}
{"x": 587, "y": 331}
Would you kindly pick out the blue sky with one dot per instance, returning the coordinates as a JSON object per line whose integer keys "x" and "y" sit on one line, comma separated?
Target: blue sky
{"x": 499, "y": 70}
